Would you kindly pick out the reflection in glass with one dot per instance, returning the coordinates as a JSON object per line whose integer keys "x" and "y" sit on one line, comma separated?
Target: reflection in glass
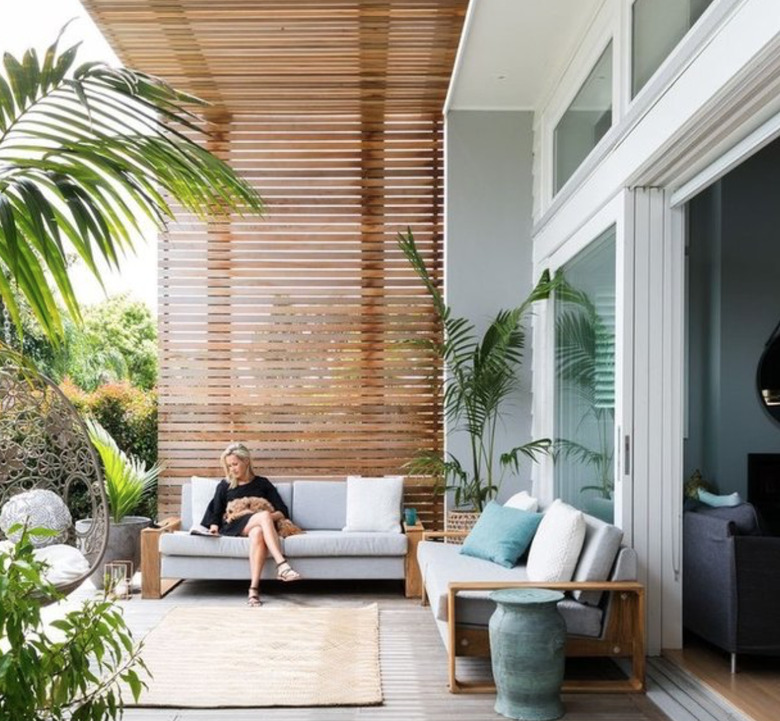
{"x": 657, "y": 26}
{"x": 768, "y": 376}
{"x": 585, "y": 379}
{"x": 585, "y": 121}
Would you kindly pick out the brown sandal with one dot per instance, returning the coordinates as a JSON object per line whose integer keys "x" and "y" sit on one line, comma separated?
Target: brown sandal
{"x": 254, "y": 597}
{"x": 285, "y": 572}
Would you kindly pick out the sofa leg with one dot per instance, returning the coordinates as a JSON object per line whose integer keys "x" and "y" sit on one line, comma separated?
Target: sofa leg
{"x": 733, "y": 663}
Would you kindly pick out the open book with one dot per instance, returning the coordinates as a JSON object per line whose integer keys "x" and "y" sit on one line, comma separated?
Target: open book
{"x": 202, "y": 531}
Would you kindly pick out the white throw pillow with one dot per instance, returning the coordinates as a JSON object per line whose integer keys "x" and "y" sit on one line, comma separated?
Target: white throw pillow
{"x": 522, "y": 501}
{"x": 38, "y": 508}
{"x": 66, "y": 563}
{"x": 374, "y": 504}
{"x": 557, "y": 544}
{"x": 202, "y": 491}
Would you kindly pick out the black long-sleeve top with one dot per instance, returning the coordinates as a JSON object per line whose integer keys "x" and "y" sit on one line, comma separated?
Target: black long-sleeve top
{"x": 258, "y": 487}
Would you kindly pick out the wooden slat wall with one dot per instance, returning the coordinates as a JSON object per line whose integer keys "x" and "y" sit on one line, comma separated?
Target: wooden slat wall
{"x": 287, "y": 332}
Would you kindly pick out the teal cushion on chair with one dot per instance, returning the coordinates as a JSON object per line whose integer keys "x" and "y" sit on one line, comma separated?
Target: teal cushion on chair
{"x": 501, "y": 534}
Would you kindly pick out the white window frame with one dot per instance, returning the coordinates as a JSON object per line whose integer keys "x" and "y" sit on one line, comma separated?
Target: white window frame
{"x": 613, "y": 214}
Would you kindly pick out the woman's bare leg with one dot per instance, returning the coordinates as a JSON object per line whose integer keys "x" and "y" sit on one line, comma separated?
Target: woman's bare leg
{"x": 257, "y": 555}
{"x": 265, "y": 524}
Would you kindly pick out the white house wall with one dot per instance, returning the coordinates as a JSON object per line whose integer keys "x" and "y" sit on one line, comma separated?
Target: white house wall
{"x": 488, "y": 239}
{"x": 719, "y": 84}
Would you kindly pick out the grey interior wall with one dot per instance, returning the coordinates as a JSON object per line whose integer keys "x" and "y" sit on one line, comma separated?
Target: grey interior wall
{"x": 734, "y": 306}
{"x": 488, "y": 258}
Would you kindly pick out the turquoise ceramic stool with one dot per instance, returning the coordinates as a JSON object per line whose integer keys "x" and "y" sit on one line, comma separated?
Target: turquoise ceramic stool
{"x": 527, "y": 639}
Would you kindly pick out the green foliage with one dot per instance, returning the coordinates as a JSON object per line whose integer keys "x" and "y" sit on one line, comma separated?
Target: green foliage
{"x": 481, "y": 377}
{"x": 116, "y": 341}
{"x": 74, "y": 674}
{"x": 85, "y": 151}
{"x": 130, "y": 415}
{"x": 127, "y": 478}
{"x": 579, "y": 330}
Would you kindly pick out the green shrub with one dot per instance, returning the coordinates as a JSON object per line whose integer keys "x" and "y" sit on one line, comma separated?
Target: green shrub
{"x": 73, "y": 673}
{"x": 129, "y": 415}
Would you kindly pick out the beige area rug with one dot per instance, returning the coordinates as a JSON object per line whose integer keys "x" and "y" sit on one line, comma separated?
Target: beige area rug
{"x": 206, "y": 657}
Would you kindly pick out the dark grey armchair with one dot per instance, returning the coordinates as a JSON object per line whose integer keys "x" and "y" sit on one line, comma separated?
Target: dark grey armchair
{"x": 731, "y": 589}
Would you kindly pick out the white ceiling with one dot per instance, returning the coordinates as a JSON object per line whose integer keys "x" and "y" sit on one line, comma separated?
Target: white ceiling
{"x": 513, "y": 48}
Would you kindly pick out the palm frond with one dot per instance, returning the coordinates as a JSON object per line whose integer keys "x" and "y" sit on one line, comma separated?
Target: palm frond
{"x": 84, "y": 152}
{"x": 127, "y": 479}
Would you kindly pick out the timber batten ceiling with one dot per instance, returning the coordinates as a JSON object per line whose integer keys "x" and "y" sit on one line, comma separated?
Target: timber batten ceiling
{"x": 287, "y": 332}
{"x": 292, "y": 55}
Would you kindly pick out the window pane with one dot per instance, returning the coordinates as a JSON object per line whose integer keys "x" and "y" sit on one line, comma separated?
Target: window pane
{"x": 585, "y": 379}
{"x": 585, "y": 121}
{"x": 657, "y": 26}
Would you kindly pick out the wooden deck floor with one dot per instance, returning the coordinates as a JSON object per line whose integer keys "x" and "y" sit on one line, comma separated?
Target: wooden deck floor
{"x": 413, "y": 660}
{"x": 754, "y": 690}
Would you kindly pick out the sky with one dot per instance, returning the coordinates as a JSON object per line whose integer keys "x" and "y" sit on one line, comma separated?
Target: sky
{"x": 36, "y": 23}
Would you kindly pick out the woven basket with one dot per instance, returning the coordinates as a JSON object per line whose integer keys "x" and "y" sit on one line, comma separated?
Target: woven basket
{"x": 461, "y": 521}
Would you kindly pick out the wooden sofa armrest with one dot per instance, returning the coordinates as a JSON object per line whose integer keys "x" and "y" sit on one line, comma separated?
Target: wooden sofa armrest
{"x": 152, "y": 586}
{"x": 632, "y": 593}
{"x": 412, "y": 577}
{"x": 443, "y": 535}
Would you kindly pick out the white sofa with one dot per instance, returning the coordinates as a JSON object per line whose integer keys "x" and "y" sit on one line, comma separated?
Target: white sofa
{"x": 598, "y": 623}
{"x": 170, "y": 553}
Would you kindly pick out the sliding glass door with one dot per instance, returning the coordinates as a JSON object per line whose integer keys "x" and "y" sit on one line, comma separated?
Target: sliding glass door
{"x": 584, "y": 379}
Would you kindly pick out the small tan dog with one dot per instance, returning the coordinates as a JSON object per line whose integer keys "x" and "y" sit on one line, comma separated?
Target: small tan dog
{"x": 249, "y": 505}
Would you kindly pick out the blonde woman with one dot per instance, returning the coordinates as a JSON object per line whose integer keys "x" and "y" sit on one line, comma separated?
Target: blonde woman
{"x": 240, "y": 482}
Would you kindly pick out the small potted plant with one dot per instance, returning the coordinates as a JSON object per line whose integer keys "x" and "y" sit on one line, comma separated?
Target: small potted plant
{"x": 480, "y": 380}
{"x": 127, "y": 481}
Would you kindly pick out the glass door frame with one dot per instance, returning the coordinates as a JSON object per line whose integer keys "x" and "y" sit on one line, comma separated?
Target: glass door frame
{"x": 613, "y": 214}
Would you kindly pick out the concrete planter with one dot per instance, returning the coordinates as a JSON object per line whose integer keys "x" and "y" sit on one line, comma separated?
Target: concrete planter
{"x": 124, "y": 543}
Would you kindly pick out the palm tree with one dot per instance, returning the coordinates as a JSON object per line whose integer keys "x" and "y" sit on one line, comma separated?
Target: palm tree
{"x": 84, "y": 152}
{"x": 481, "y": 377}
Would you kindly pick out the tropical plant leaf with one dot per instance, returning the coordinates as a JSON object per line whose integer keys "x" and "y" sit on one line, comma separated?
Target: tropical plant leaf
{"x": 127, "y": 479}
{"x": 84, "y": 152}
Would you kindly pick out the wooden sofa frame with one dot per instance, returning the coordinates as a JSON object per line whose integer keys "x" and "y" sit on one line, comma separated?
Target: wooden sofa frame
{"x": 623, "y": 636}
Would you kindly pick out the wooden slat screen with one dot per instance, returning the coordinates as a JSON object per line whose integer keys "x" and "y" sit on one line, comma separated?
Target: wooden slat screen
{"x": 287, "y": 332}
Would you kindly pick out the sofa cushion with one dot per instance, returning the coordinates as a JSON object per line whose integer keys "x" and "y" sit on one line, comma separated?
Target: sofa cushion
{"x": 501, "y": 534}
{"x": 319, "y": 505}
{"x": 201, "y": 493}
{"x": 599, "y": 549}
{"x": 311, "y": 544}
{"x": 523, "y": 501}
{"x": 374, "y": 504}
{"x": 557, "y": 544}
{"x": 181, "y": 543}
{"x": 339, "y": 543}
{"x": 442, "y": 564}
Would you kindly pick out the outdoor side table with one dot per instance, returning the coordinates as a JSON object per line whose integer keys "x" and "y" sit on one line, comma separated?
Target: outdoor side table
{"x": 527, "y": 639}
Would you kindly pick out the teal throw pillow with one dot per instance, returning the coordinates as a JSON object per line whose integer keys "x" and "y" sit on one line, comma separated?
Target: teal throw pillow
{"x": 711, "y": 499}
{"x": 501, "y": 534}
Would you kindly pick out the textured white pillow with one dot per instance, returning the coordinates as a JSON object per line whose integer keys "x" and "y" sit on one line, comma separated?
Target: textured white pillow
{"x": 557, "y": 544}
{"x": 202, "y": 491}
{"x": 66, "y": 563}
{"x": 39, "y": 508}
{"x": 374, "y": 504}
{"x": 522, "y": 501}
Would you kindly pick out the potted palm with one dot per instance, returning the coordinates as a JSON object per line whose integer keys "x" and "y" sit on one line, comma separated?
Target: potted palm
{"x": 480, "y": 381}
{"x": 127, "y": 481}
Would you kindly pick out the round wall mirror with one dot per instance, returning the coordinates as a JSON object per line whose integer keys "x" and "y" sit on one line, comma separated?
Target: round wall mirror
{"x": 768, "y": 377}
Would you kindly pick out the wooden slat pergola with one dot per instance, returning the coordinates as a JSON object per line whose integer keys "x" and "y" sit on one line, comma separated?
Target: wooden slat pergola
{"x": 286, "y": 332}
